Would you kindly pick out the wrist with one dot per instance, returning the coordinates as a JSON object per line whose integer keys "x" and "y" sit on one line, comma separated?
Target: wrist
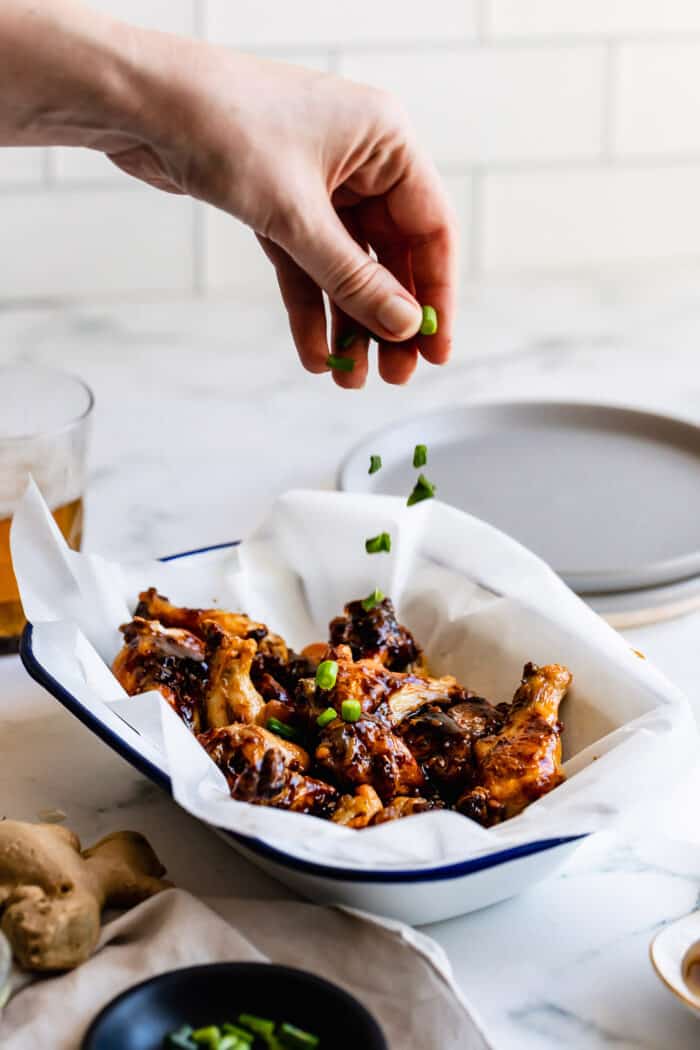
{"x": 67, "y": 75}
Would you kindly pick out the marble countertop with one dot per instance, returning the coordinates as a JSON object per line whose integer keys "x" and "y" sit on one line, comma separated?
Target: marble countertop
{"x": 203, "y": 417}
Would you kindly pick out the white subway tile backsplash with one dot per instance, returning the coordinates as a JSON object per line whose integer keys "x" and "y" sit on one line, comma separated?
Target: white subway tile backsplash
{"x": 69, "y": 163}
{"x": 568, "y": 132}
{"x": 91, "y": 242}
{"x": 549, "y": 18}
{"x": 459, "y": 190}
{"x": 21, "y": 165}
{"x": 656, "y": 107}
{"x": 489, "y": 105}
{"x": 233, "y": 261}
{"x": 294, "y": 23}
{"x": 172, "y": 16}
{"x": 578, "y": 219}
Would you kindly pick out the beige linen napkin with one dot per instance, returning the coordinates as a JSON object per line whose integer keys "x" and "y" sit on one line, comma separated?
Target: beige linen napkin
{"x": 401, "y": 976}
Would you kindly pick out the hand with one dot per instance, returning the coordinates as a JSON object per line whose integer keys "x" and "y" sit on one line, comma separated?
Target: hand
{"x": 321, "y": 169}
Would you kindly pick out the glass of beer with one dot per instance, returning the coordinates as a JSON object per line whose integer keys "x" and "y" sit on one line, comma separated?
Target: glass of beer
{"x": 44, "y": 426}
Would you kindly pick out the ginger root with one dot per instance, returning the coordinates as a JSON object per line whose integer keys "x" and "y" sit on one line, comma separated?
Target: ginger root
{"x": 52, "y": 894}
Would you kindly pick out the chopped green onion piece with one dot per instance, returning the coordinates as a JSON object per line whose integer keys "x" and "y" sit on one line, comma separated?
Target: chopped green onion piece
{"x": 327, "y": 716}
{"x": 232, "y": 1042}
{"x": 180, "y": 1039}
{"x": 282, "y": 729}
{"x": 344, "y": 342}
{"x": 430, "y": 321}
{"x": 375, "y": 464}
{"x": 423, "y": 489}
{"x": 372, "y": 600}
{"x": 340, "y": 364}
{"x": 420, "y": 456}
{"x": 209, "y": 1036}
{"x": 351, "y": 710}
{"x": 377, "y": 544}
{"x": 242, "y": 1036}
{"x": 326, "y": 674}
{"x": 259, "y": 1025}
{"x": 240, "y": 1033}
{"x": 293, "y": 1038}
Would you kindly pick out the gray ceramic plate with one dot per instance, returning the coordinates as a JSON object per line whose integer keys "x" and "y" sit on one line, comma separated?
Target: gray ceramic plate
{"x": 610, "y": 497}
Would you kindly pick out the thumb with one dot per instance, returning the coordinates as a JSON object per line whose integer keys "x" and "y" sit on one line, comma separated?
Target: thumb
{"x": 359, "y": 285}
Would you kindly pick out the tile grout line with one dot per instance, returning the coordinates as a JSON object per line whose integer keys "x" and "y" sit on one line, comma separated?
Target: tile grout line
{"x": 198, "y": 249}
{"x": 48, "y": 169}
{"x": 199, "y": 18}
{"x": 476, "y": 227}
{"x": 608, "y": 102}
{"x": 482, "y": 21}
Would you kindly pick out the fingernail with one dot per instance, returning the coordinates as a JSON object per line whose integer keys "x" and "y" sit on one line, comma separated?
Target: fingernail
{"x": 399, "y": 316}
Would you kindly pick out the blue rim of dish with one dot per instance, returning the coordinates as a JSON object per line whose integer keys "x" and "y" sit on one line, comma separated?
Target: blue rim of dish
{"x": 256, "y": 846}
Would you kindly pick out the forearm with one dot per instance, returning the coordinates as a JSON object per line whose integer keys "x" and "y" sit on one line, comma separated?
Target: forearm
{"x": 68, "y": 74}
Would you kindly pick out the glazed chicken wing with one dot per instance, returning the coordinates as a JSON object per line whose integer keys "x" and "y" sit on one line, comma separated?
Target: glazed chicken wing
{"x": 522, "y": 761}
{"x": 403, "y": 806}
{"x": 390, "y": 695}
{"x": 230, "y": 694}
{"x": 169, "y": 659}
{"x": 367, "y": 752}
{"x": 375, "y": 634}
{"x": 154, "y": 606}
{"x": 443, "y": 741}
{"x": 357, "y": 811}
{"x": 419, "y": 742}
{"x": 266, "y": 770}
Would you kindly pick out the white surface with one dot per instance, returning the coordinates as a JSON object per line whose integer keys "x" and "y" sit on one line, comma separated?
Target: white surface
{"x": 569, "y": 119}
{"x": 222, "y": 420}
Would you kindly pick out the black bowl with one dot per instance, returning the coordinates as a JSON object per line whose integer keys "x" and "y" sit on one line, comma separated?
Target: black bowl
{"x": 141, "y": 1017}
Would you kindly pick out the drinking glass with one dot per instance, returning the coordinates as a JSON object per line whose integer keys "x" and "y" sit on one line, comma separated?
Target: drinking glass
{"x": 44, "y": 427}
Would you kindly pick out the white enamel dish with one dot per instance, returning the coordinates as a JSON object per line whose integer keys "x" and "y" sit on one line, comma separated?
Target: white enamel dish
{"x": 629, "y": 734}
{"x": 420, "y": 895}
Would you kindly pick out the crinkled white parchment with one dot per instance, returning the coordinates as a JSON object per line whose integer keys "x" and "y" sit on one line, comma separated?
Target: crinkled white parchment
{"x": 479, "y": 603}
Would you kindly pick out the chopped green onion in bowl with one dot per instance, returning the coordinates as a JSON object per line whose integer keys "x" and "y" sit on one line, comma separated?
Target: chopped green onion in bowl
{"x": 375, "y": 464}
{"x": 250, "y": 1032}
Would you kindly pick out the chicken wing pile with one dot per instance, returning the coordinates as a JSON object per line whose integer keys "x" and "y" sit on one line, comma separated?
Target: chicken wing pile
{"x": 413, "y": 743}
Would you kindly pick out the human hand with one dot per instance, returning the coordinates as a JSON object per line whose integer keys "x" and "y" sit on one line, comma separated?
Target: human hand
{"x": 321, "y": 169}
